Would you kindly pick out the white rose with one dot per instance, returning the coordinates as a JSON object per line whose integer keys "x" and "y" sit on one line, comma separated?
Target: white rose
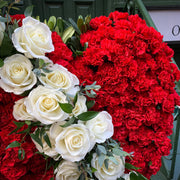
{"x": 42, "y": 104}
{"x": 80, "y": 106}
{"x": 101, "y": 127}
{"x": 20, "y": 111}
{"x": 60, "y": 78}
{"x": 17, "y": 75}
{"x": 53, "y": 132}
{"x": 2, "y": 29}
{"x": 113, "y": 172}
{"x": 33, "y": 38}
{"x": 73, "y": 143}
{"x": 67, "y": 170}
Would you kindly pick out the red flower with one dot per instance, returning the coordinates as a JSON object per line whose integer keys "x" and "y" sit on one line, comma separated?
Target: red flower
{"x": 18, "y": 18}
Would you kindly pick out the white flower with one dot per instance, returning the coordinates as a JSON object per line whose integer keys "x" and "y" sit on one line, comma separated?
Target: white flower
{"x": 60, "y": 78}
{"x": 42, "y": 103}
{"x": 73, "y": 143}
{"x": 33, "y": 38}
{"x": 20, "y": 111}
{"x": 16, "y": 74}
{"x": 101, "y": 127}
{"x": 113, "y": 172}
{"x": 2, "y": 29}
{"x": 80, "y": 106}
{"x": 53, "y": 132}
{"x": 67, "y": 170}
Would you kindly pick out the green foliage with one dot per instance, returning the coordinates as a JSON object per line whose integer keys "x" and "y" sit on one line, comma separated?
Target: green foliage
{"x": 83, "y": 25}
{"x": 28, "y": 11}
{"x": 90, "y": 104}
{"x": 6, "y": 47}
{"x": 69, "y": 122}
{"x": 1, "y": 63}
{"x": 68, "y": 33}
{"x": 52, "y": 23}
{"x": 86, "y": 116}
{"x": 36, "y": 138}
{"x": 66, "y": 107}
{"x": 21, "y": 154}
{"x": 13, "y": 144}
{"x": 74, "y": 25}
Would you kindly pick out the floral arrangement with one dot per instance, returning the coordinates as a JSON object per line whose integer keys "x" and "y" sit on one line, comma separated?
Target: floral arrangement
{"x": 44, "y": 107}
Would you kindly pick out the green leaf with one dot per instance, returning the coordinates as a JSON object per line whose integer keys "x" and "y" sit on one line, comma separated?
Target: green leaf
{"x": 93, "y": 169}
{"x": 3, "y": 19}
{"x": 28, "y": 11}
{"x": 68, "y": 123}
{"x": 80, "y": 22}
{"x": 47, "y": 140}
{"x": 101, "y": 149}
{"x": 137, "y": 176}
{"x": 16, "y": 8}
{"x": 21, "y": 154}
{"x": 6, "y": 47}
{"x": 87, "y": 115}
{"x": 130, "y": 166}
{"x": 85, "y": 46}
{"x": 87, "y": 19}
{"x": 66, "y": 107}
{"x": 37, "y": 139}
{"x": 74, "y": 26}
{"x": 28, "y": 122}
{"x": 1, "y": 63}
{"x": 75, "y": 98}
{"x": 24, "y": 131}
{"x": 52, "y": 22}
{"x": 19, "y": 124}
{"x": 3, "y": 4}
{"x": 52, "y": 178}
{"x": 90, "y": 104}
{"x": 13, "y": 144}
{"x": 15, "y": 130}
{"x": 113, "y": 159}
{"x": 101, "y": 159}
{"x": 67, "y": 33}
{"x": 60, "y": 25}
{"x": 41, "y": 63}
{"x": 120, "y": 152}
{"x": 106, "y": 163}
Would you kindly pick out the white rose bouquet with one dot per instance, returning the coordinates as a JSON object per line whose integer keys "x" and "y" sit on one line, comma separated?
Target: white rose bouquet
{"x": 56, "y": 108}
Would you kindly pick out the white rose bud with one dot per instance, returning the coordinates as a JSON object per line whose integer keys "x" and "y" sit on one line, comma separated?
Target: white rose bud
{"x": 113, "y": 172}
{"x": 2, "y": 29}
{"x": 33, "y": 38}
{"x": 17, "y": 75}
{"x": 80, "y": 106}
{"x": 20, "y": 111}
{"x": 60, "y": 78}
{"x": 67, "y": 170}
{"x": 73, "y": 143}
{"x": 101, "y": 127}
{"x": 53, "y": 132}
{"x": 42, "y": 104}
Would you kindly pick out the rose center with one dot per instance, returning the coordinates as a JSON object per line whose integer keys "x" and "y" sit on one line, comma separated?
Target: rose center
{"x": 48, "y": 103}
{"x": 58, "y": 78}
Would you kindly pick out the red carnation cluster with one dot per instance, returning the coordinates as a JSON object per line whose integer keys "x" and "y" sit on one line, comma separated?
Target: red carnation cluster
{"x": 61, "y": 54}
{"x": 12, "y": 168}
{"x": 18, "y": 18}
{"x": 133, "y": 66}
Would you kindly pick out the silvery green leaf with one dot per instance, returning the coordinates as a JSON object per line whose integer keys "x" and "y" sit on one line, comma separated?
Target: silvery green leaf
{"x": 28, "y": 11}
{"x": 101, "y": 159}
{"x": 102, "y": 149}
{"x": 113, "y": 159}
